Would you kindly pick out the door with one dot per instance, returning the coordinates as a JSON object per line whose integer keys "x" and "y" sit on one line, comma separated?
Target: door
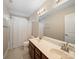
{"x": 70, "y": 28}
{"x": 19, "y": 31}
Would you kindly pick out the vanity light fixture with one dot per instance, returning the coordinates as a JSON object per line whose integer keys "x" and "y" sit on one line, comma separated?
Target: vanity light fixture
{"x": 41, "y": 12}
{"x": 57, "y": 1}
{"x": 10, "y": 1}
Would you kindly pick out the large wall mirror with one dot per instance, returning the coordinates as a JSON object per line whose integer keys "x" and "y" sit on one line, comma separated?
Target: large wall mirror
{"x": 61, "y": 25}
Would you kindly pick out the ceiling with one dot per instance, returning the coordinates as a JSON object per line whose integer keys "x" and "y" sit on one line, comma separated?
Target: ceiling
{"x": 25, "y": 7}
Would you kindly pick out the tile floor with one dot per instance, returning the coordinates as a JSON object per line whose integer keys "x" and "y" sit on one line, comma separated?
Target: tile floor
{"x": 18, "y": 53}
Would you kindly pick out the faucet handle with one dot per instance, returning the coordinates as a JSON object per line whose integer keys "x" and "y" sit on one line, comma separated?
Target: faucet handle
{"x": 67, "y": 43}
{"x": 63, "y": 46}
{"x": 67, "y": 47}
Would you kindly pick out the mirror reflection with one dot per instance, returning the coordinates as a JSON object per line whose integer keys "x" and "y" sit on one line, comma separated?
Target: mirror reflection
{"x": 59, "y": 25}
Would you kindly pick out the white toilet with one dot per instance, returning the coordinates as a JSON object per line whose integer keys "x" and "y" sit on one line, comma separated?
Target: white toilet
{"x": 26, "y": 44}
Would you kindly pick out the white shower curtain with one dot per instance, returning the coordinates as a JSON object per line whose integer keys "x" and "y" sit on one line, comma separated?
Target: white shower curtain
{"x": 20, "y": 31}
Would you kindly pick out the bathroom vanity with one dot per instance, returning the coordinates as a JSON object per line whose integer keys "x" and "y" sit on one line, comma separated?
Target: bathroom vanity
{"x": 45, "y": 49}
{"x": 35, "y": 53}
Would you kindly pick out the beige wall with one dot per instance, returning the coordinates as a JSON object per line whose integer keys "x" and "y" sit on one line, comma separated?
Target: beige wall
{"x": 5, "y": 35}
{"x": 54, "y": 24}
{"x": 35, "y": 24}
{"x": 5, "y": 40}
{"x": 5, "y": 25}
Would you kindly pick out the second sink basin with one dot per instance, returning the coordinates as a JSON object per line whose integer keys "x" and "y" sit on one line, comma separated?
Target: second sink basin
{"x": 59, "y": 54}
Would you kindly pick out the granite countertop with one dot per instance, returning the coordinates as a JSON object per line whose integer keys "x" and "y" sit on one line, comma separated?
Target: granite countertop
{"x": 45, "y": 46}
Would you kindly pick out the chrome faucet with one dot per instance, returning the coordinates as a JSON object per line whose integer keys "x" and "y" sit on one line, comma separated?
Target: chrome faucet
{"x": 65, "y": 47}
{"x": 40, "y": 37}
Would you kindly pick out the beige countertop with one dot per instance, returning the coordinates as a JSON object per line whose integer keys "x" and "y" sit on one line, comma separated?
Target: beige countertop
{"x": 45, "y": 47}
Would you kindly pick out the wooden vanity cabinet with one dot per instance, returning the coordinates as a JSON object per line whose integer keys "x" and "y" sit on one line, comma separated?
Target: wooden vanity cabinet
{"x": 31, "y": 50}
{"x": 44, "y": 57}
{"x": 35, "y": 53}
{"x": 37, "y": 56}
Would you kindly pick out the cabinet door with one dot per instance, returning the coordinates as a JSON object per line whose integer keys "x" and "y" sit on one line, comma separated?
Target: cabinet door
{"x": 37, "y": 56}
{"x": 31, "y": 51}
{"x": 44, "y": 57}
{"x": 37, "y": 51}
{"x": 32, "y": 54}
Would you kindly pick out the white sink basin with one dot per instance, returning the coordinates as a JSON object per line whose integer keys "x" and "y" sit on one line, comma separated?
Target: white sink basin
{"x": 59, "y": 54}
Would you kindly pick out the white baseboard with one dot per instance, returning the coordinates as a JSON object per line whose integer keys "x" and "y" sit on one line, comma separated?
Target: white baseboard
{"x": 5, "y": 54}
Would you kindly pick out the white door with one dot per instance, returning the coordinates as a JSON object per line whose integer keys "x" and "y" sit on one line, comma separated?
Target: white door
{"x": 70, "y": 28}
{"x": 19, "y": 31}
